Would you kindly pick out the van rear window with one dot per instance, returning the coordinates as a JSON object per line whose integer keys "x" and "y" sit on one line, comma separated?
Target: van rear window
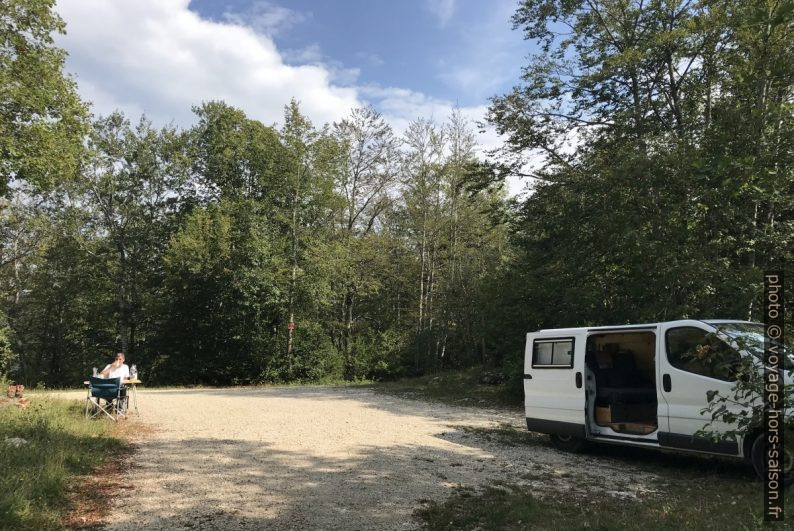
{"x": 552, "y": 353}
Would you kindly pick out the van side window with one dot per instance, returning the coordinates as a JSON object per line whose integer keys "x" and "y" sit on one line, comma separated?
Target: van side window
{"x": 697, "y": 351}
{"x": 553, "y": 353}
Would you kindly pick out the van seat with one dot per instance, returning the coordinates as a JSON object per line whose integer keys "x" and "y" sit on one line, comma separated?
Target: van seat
{"x": 622, "y": 382}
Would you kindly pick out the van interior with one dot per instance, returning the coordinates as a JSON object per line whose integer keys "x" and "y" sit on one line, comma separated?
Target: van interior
{"x": 621, "y": 374}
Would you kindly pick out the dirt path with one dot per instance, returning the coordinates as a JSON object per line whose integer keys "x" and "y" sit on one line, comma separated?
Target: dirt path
{"x": 330, "y": 458}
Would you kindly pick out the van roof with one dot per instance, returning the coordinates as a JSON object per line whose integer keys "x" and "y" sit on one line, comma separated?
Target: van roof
{"x": 645, "y": 325}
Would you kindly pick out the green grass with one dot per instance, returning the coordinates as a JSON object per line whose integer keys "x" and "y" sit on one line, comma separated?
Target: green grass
{"x": 691, "y": 492}
{"x": 460, "y": 387}
{"x": 721, "y": 505}
{"x": 323, "y": 382}
{"x": 60, "y": 445}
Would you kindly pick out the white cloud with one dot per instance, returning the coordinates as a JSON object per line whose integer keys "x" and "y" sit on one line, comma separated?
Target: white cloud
{"x": 401, "y": 106}
{"x": 442, "y": 9}
{"x": 308, "y": 54}
{"x": 158, "y": 57}
{"x": 338, "y": 73}
{"x": 266, "y": 18}
{"x": 370, "y": 58}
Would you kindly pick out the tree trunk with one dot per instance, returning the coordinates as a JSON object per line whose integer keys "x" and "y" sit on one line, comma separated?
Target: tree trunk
{"x": 420, "y": 319}
{"x": 293, "y": 279}
{"x": 348, "y": 333}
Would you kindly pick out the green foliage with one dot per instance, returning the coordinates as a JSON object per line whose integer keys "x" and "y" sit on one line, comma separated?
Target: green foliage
{"x": 84, "y": 265}
{"x": 654, "y": 135}
{"x": 659, "y": 186}
{"x": 60, "y": 308}
{"x": 6, "y": 352}
{"x": 59, "y": 445}
{"x": 740, "y": 412}
{"x": 231, "y": 252}
{"x": 42, "y": 120}
{"x": 313, "y": 358}
{"x": 225, "y": 286}
{"x": 235, "y": 156}
{"x": 375, "y": 355}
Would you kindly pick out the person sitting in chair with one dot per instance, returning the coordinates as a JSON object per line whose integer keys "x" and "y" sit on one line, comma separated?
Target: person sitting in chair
{"x": 117, "y": 369}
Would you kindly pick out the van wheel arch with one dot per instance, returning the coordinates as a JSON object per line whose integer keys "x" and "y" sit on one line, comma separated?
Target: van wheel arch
{"x": 568, "y": 443}
{"x": 747, "y": 443}
{"x": 757, "y": 460}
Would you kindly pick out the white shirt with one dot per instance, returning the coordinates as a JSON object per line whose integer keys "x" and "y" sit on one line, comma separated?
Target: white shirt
{"x": 122, "y": 372}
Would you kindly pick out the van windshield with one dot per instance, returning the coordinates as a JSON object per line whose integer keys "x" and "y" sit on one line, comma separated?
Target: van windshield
{"x": 750, "y": 337}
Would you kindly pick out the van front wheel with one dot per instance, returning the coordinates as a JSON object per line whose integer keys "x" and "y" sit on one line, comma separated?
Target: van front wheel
{"x": 568, "y": 443}
{"x": 759, "y": 462}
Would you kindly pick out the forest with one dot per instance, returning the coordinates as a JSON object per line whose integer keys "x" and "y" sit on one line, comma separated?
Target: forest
{"x": 656, "y": 140}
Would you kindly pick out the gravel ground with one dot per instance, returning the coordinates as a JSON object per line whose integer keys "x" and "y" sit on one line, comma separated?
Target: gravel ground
{"x": 332, "y": 458}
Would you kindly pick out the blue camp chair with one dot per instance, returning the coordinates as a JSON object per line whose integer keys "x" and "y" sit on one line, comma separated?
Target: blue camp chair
{"x": 111, "y": 392}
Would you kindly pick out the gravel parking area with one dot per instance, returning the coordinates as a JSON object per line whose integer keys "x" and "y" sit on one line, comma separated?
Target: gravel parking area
{"x": 331, "y": 458}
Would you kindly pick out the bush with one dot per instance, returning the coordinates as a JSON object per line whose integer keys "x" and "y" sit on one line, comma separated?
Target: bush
{"x": 376, "y": 356}
{"x": 514, "y": 386}
{"x": 6, "y": 354}
{"x": 313, "y": 357}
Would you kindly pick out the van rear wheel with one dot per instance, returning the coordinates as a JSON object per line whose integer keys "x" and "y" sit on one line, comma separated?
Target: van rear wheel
{"x": 759, "y": 462}
{"x": 568, "y": 443}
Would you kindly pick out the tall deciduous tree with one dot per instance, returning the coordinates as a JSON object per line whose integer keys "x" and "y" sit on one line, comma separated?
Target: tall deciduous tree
{"x": 368, "y": 172}
{"x": 130, "y": 188}
{"x": 42, "y": 120}
{"x": 311, "y": 161}
{"x": 233, "y": 157}
{"x": 655, "y": 133}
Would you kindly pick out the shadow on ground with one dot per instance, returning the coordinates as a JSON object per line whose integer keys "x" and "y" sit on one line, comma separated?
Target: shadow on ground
{"x": 511, "y": 421}
{"x": 668, "y": 465}
{"x": 239, "y": 480}
{"x": 233, "y": 484}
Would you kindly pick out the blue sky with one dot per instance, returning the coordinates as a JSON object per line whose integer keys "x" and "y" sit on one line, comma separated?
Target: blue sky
{"x": 409, "y": 59}
{"x": 462, "y": 51}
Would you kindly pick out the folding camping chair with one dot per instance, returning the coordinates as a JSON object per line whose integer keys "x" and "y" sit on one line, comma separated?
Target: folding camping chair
{"x": 112, "y": 392}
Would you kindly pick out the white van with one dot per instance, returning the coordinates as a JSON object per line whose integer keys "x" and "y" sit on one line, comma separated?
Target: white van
{"x": 635, "y": 385}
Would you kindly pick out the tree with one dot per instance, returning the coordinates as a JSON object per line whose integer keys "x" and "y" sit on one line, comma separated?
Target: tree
{"x": 130, "y": 190}
{"x": 225, "y": 295}
{"x": 740, "y": 414}
{"x": 368, "y": 173}
{"x": 234, "y": 157}
{"x": 59, "y": 300}
{"x": 455, "y": 240}
{"x": 631, "y": 119}
{"x": 311, "y": 161}
{"x": 746, "y": 176}
{"x": 422, "y": 181}
{"x": 6, "y": 350}
{"x": 42, "y": 120}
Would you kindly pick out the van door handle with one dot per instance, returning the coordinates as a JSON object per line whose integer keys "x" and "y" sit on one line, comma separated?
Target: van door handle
{"x": 578, "y": 380}
{"x": 666, "y": 383}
